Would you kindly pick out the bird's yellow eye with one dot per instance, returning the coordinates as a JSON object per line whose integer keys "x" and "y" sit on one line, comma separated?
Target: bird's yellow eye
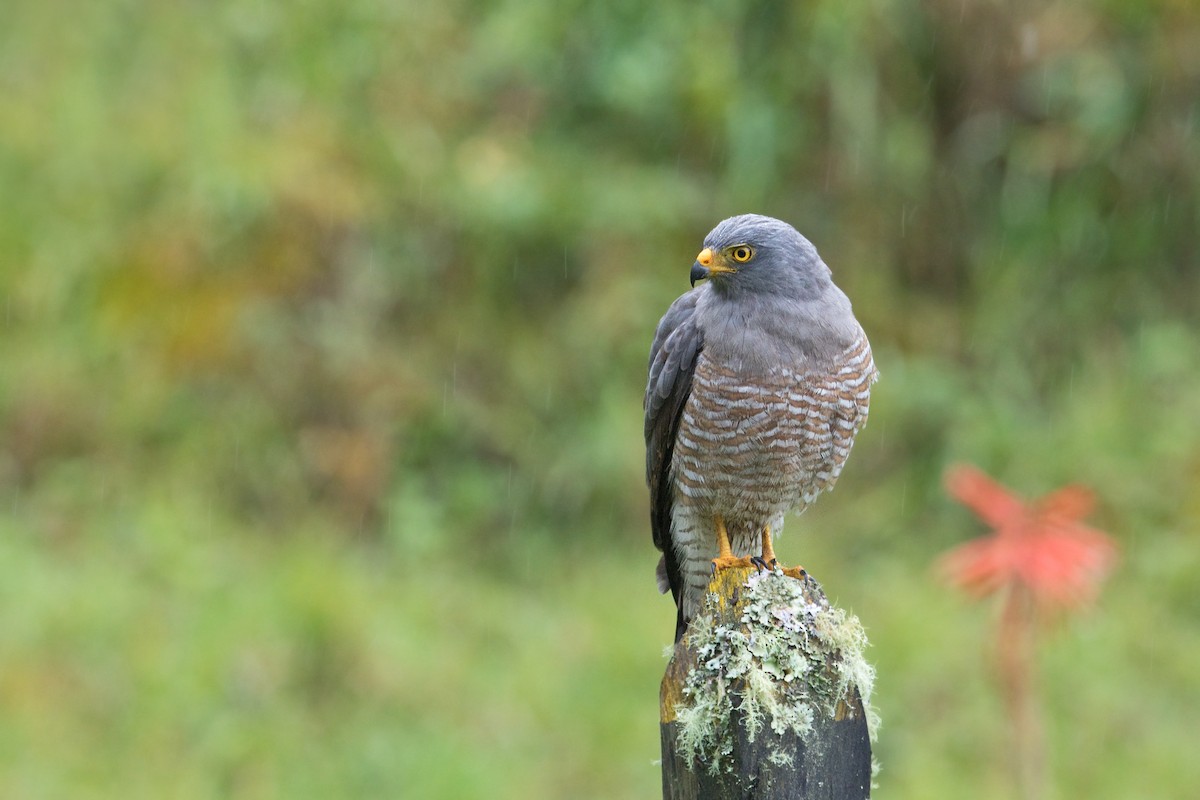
{"x": 743, "y": 253}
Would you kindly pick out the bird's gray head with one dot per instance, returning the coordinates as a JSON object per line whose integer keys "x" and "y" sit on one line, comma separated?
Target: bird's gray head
{"x": 753, "y": 254}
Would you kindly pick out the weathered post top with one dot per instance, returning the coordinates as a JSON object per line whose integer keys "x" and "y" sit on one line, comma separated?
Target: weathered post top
{"x": 767, "y": 696}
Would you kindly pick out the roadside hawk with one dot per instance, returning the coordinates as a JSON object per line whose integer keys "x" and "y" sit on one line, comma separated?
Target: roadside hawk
{"x": 759, "y": 381}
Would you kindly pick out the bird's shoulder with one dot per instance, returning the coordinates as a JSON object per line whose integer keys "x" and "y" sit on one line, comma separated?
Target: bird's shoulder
{"x": 681, "y": 312}
{"x": 677, "y": 341}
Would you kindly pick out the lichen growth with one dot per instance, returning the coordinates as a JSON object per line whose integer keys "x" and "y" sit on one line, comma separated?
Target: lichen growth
{"x": 785, "y": 658}
{"x": 845, "y": 636}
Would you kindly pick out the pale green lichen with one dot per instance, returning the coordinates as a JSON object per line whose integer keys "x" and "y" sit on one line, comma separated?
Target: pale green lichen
{"x": 844, "y": 635}
{"x": 789, "y": 657}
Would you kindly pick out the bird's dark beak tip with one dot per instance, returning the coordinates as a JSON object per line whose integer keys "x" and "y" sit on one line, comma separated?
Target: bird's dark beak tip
{"x": 699, "y": 273}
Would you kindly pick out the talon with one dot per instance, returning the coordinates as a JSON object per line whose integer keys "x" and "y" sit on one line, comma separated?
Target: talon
{"x": 759, "y": 564}
{"x": 799, "y": 573}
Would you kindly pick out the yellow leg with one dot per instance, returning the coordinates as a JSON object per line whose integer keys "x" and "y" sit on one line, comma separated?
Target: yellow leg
{"x": 725, "y": 557}
{"x": 768, "y": 549}
{"x": 768, "y": 556}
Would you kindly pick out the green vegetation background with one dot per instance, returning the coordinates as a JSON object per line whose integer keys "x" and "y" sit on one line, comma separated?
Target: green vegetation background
{"x": 324, "y": 329}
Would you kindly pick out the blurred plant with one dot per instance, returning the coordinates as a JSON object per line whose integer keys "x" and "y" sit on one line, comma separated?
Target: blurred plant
{"x": 1043, "y": 561}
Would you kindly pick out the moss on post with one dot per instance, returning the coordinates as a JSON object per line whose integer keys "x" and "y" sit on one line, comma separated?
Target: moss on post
{"x": 767, "y": 696}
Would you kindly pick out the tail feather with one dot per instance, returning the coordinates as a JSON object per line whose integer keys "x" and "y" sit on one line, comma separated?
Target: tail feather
{"x": 662, "y": 577}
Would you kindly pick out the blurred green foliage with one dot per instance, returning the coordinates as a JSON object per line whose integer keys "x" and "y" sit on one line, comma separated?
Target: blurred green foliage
{"x": 324, "y": 338}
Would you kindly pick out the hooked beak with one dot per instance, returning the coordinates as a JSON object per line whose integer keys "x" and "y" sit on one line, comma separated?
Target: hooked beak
{"x": 707, "y": 265}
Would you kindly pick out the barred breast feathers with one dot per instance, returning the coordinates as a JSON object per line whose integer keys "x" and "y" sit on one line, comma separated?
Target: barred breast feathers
{"x": 752, "y": 435}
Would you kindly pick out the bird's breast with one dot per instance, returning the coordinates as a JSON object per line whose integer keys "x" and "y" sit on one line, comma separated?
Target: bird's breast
{"x": 756, "y": 444}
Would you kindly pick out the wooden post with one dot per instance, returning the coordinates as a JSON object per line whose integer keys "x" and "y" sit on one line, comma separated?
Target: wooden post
{"x": 763, "y": 698}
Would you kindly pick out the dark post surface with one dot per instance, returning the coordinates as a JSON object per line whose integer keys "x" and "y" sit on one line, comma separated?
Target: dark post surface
{"x": 762, "y": 698}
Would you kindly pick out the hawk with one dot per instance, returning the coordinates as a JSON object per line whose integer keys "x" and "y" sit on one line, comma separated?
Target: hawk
{"x": 759, "y": 381}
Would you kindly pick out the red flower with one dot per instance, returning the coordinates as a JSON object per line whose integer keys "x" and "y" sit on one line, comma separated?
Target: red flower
{"x": 1041, "y": 546}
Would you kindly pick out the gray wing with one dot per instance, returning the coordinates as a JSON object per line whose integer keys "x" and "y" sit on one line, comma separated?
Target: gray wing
{"x": 677, "y": 343}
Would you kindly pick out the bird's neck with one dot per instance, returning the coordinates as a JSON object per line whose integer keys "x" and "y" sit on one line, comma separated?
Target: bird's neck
{"x": 763, "y": 333}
